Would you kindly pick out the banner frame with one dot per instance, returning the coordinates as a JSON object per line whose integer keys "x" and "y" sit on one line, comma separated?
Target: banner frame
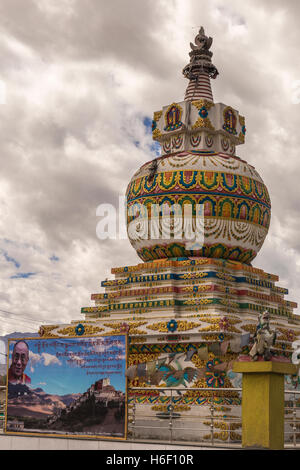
{"x": 69, "y": 436}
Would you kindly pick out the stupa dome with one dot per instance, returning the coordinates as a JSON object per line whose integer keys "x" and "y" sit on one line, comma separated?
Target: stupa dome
{"x": 220, "y": 207}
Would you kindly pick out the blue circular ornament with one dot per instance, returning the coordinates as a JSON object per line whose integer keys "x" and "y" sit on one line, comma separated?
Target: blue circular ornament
{"x": 172, "y": 325}
{"x": 79, "y": 330}
{"x": 203, "y": 112}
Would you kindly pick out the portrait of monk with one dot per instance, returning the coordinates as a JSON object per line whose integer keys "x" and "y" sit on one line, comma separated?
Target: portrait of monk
{"x": 20, "y": 357}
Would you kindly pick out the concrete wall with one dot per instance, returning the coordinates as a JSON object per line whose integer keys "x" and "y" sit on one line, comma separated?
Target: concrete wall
{"x": 45, "y": 443}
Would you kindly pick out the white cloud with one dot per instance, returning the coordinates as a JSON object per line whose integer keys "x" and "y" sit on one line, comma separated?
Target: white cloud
{"x": 75, "y": 361}
{"x": 120, "y": 357}
{"x": 45, "y": 358}
{"x": 49, "y": 359}
{"x": 34, "y": 359}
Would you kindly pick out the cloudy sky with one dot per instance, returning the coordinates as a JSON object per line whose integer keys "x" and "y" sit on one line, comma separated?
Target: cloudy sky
{"x": 79, "y": 82}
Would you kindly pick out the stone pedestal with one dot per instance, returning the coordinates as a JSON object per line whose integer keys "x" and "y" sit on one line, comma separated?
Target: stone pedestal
{"x": 263, "y": 403}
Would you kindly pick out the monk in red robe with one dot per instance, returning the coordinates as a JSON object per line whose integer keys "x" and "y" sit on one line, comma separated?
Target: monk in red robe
{"x": 20, "y": 357}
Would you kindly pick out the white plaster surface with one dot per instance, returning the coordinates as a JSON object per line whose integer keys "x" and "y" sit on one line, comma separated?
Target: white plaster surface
{"x": 44, "y": 443}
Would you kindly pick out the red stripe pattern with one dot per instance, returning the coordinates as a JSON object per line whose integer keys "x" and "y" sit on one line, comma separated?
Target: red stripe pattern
{"x": 199, "y": 88}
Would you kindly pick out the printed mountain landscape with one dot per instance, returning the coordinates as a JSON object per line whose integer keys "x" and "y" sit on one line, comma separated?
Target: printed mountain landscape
{"x": 24, "y": 401}
{"x": 99, "y": 410}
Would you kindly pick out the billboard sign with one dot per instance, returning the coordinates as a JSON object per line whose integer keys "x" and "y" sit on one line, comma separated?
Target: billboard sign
{"x": 69, "y": 387}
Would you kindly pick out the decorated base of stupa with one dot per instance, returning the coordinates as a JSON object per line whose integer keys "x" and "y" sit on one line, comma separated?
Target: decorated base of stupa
{"x": 187, "y": 320}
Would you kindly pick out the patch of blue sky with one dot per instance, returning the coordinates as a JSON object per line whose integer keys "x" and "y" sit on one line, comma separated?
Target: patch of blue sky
{"x": 10, "y": 259}
{"x": 6, "y": 240}
{"x": 22, "y": 275}
{"x": 155, "y": 148}
{"x": 148, "y": 124}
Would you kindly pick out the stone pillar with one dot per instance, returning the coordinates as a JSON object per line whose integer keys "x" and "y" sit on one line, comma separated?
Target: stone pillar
{"x": 263, "y": 403}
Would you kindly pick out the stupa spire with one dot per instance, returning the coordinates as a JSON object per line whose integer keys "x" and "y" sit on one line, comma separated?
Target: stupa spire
{"x": 200, "y": 69}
